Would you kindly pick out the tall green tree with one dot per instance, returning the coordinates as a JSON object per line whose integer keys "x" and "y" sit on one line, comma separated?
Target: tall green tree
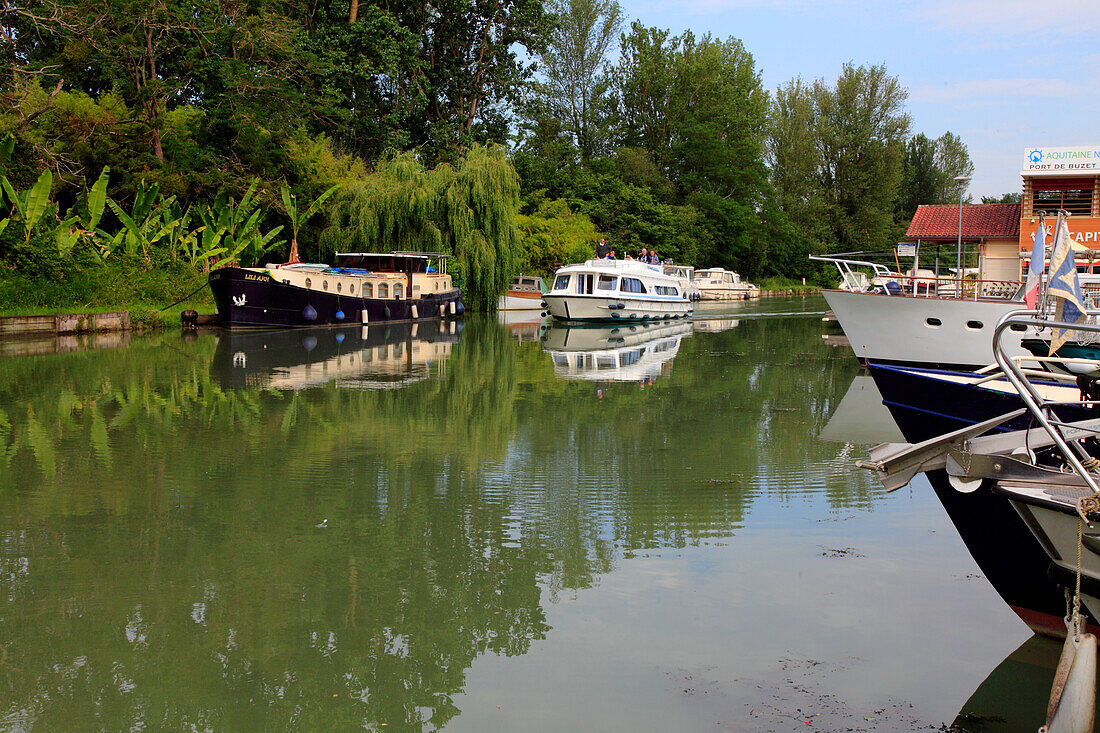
{"x": 576, "y": 82}
{"x": 953, "y": 161}
{"x": 861, "y": 126}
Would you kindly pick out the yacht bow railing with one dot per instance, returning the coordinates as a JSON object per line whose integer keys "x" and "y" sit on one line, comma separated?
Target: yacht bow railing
{"x": 1041, "y": 408}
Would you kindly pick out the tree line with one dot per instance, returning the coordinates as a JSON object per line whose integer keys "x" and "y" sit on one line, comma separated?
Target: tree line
{"x": 511, "y": 133}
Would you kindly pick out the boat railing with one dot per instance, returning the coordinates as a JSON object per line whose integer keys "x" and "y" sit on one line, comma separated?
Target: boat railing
{"x": 1041, "y": 408}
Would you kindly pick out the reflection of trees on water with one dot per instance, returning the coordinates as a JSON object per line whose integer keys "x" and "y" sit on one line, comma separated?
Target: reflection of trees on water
{"x": 160, "y": 530}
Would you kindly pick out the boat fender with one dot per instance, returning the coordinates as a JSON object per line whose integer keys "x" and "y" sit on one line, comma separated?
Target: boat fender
{"x": 339, "y": 315}
{"x": 339, "y": 338}
{"x": 414, "y": 313}
{"x": 1072, "y": 707}
{"x": 310, "y": 313}
{"x": 460, "y": 308}
{"x": 386, "y": 312}
{"x": 543, "y": 304}
{"x": 614, "y": 315}
{"x": 366, "y": 318}
{"x": 309, "y": 343}
{"x": 452, "y": 307}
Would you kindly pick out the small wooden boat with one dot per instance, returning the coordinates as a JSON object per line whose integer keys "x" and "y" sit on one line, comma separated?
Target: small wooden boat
{"x": 616, "y": 290}
{"x": 525, "y": 293}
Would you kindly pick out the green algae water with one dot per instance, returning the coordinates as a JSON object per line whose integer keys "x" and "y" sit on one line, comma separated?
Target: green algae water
{"x": 491, "y": 524}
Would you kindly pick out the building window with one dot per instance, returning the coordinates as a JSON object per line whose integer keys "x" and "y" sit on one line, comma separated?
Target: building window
{"x": 1072, "y": 194}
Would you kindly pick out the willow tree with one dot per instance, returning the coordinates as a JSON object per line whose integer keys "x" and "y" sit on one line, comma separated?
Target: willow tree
{"x": 467, "y": 210}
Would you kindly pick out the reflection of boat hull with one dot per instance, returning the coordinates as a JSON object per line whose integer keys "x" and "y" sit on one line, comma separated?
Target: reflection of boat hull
{"x": 861, "y": 417}
{"x": 1014, "y": 696}
{"x": 940, "y": 332}
{"x": 629, "y": 353}
{"x": 381, "y": 356}
{"x": 250, "y": 298}
{"x": 925, "y": 405}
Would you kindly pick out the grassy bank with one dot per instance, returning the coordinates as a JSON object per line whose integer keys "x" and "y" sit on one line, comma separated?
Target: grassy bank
{"x": 141, "y": 289}
{"x": 786, "y": 283}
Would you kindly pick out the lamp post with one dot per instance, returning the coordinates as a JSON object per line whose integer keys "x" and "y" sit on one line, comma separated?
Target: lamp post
{"x": 959, "y": 251}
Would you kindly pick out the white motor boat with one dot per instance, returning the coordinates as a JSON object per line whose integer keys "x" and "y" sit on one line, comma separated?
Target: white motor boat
{"x": 616, "y": 290}
{"x": 686, "y": 275}
{"x": 926, "y": 326}
{"x": 719, "y": 284}
{"x": 524, "y": 294}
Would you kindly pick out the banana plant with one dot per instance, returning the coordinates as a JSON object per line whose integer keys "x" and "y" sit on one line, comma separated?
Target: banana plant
{"x": 297, "y": 217}
{"x": 144, "y": 227}
{"x": 30, "y": 204}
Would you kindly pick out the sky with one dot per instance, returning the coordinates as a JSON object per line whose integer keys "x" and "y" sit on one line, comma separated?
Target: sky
{"x": 1001, "y": 74}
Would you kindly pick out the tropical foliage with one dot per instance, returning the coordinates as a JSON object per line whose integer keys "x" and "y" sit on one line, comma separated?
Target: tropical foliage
{"x": 194, "y": 131}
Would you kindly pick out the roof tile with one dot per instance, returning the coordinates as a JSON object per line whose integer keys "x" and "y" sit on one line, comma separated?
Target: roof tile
{"x": 941, "y": 221}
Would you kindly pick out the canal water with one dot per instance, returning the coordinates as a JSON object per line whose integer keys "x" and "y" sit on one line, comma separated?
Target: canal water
{"x": 483, "y": 526}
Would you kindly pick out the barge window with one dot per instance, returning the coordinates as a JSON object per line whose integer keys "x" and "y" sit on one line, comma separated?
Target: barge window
{"x": 308, "y": 282}
{"x": 368, "y": 290}
{"x": 339, "y": 286}
{"x": 351, "y": 288}
{"x": 562, "y": 283}
{"x": 606, "y": 282}
{"x": 383, "y": 290}
{"x": 974, "y": 325}
{"x": 324, "y": 284}
{"x": 398, "y": 290}
{"x": 933, "y": 322}
{"x": 632, "y": 285}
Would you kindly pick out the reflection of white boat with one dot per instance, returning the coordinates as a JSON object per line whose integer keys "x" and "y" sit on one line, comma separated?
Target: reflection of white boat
{"x": 616, "y": 290}
{"x": 383, "y": 356}
{"x": 861, "y": 417}
{"x": 522, "y": 325}
{"x": 524, "y": 294}
{"x": 627, "y": 353}
{"x": 719, "y": 284}
{"x": 716, "y": 325}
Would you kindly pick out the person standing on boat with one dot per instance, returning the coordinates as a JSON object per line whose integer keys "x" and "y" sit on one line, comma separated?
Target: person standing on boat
{"x": 602, "y": 249}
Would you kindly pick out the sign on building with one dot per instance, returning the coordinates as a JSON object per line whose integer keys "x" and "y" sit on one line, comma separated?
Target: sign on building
{"x": 1061, "y": 161}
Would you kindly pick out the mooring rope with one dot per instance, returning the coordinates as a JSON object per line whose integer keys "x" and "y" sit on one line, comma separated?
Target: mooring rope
{"x": 183, "y": 298}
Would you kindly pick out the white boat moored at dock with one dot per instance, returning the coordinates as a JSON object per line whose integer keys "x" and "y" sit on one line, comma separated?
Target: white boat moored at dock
{"x": 616, "y": 290}
{"x": 719, "y": 284}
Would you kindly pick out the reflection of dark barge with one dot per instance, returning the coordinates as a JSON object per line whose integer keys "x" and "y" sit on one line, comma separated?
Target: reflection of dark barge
{"x": 361, "y": 288}
{"x": 380, "y": 356}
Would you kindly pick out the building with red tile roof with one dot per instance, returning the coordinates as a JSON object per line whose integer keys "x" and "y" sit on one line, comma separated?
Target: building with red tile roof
{"x": 994, "y": 228}
{"x": 940, "y": 223}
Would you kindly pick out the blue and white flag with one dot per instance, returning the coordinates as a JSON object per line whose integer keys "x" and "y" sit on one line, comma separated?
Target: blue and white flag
{"x": 1064, "y": 287}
